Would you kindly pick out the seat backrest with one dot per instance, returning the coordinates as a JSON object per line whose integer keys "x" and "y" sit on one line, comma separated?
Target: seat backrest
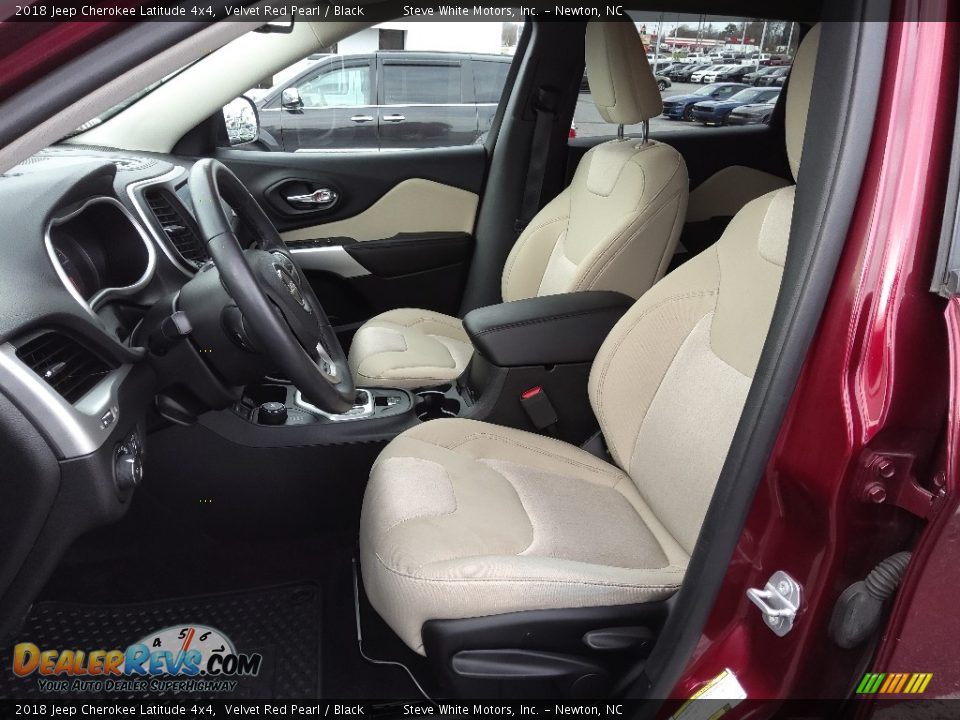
{"x": 669, "y": 383}
{"x": 616, "y": 226}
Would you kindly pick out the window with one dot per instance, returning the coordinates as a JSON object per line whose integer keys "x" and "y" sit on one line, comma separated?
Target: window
{"x": 405, "y": 84}
{"x": 339, "y": 87}
{"x": 690, "y": 53}
{"x": 489, "y": 77}
{"x": 394, "y": 86}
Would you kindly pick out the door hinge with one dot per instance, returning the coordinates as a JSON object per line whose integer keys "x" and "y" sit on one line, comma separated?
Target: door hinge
{"x": 779, "y": 601}
{"x": 889, "y": 479}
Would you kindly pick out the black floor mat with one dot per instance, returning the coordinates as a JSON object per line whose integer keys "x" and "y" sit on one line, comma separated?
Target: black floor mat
{"x": 281, "y": 623}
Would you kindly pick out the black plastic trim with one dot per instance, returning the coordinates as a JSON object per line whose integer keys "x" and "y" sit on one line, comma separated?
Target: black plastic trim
{"x": 553, "y": 329}
{"x": 409, "y": 253}
{"x": 535, "y": 653}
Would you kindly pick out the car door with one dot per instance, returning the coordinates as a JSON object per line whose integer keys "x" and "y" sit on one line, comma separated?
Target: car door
{"x": 393, "y": 229}
{"x": 425, "y": 101}
{"x": 336, "y": 109}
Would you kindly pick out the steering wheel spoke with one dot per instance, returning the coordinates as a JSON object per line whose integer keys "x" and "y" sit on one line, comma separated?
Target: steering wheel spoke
{"x": 271, "y": 291}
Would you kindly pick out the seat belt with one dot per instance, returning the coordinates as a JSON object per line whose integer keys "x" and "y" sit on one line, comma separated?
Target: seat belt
{"x": 546, "y": 112}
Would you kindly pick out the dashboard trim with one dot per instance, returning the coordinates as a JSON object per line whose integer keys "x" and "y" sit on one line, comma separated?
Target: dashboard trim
{"x": 103, "y": 294}
{"x": 134, "y": 192}
{"x": 73, "y": 430}
{"x": 328, "y": 258}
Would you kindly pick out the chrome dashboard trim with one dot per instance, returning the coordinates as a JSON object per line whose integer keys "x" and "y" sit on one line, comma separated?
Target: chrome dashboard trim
{"x": 327, "y": 258}
{"x": 103, "y": 294}
{"x": 136, "y": 197}
{"x": 72, "y": 430}
{"x": 357, "y": 412}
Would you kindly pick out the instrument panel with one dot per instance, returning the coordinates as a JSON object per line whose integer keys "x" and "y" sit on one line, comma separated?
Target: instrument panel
{"x": 100, "y": 250}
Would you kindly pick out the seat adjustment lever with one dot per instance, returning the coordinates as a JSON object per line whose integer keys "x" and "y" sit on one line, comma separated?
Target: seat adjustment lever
{"x": 618, "y": 639}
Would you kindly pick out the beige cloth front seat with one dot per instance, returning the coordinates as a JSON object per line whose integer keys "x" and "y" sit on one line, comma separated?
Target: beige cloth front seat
{"x": 464, "y": 519}
{"x": 614, "y": 228}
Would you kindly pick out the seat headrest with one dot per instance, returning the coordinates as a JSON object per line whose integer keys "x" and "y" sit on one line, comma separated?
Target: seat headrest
{"x": 621, "y": 82}
{"x": 798, "y": 96}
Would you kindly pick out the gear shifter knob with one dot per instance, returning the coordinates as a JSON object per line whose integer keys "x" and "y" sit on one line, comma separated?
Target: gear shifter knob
{"x": 272, "y": 413}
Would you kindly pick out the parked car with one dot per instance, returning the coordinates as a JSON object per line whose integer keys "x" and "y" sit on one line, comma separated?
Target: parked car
{"x": 385, "y": 101}
{"x": 777, "y": 60}
{"x": 716, "y": 74}
{"x": 753, "y": 114}
{"x": 715, "y": 112}
{"x": 698, "y": 77}
{"x": 777, "y": 77}
{"x": 679, "y": 107}
{"x": 734, "y": 74}
{"x": 666, "y": 70}
{"x": 660, "y": 66}
{"x": 684, "y": 74}
{"x": 753, "y": 78}
{"x": 663, "y": 82}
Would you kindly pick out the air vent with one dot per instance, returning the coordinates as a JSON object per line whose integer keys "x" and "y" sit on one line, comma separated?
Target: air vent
{"x": 66, "y": 365}
{"x": 169, "y": 214}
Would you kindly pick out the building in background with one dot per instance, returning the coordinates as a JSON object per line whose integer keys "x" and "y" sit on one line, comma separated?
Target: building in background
{"x": 480, "y": 37}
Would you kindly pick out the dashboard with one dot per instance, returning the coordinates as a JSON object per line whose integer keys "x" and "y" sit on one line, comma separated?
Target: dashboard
{"x": 93, "y": 241}
{"x": 100, "y": 251}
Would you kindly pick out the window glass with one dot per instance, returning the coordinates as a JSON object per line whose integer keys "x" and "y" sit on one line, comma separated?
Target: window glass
{"x": 421, "y": 84}
{"x": 398, "y": 85}
{"x": 700, "y": 57}
{"x": 341, "y": 86}
{"x": 489, "y": 77}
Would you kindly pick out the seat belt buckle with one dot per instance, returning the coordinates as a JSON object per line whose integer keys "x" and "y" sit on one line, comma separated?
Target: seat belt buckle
{"x": 539, "y": 408}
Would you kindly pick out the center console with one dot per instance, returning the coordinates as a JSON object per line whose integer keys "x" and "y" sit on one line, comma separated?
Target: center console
{"x": 530, "y": 369}
{"x": 533, "y": 360}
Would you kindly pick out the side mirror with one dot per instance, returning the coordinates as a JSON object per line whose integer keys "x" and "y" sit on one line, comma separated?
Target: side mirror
{"x": 290, "y": 99}
{"x": 242, "y": 121}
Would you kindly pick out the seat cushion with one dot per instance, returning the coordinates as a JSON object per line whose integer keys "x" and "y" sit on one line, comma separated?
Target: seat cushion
{"x": 465, "y": 519}
{"x": 409, "y": 348}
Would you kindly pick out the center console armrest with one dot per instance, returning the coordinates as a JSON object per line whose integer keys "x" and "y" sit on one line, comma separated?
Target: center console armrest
{"x": 548, "y": 330}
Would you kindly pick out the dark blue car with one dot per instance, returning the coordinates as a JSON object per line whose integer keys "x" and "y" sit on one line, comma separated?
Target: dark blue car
{"x": 715, "y": 112}
{"x": 680, "y": 107}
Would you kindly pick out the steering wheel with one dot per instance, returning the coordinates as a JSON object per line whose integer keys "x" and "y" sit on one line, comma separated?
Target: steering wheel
{"x": 283, "y": 314}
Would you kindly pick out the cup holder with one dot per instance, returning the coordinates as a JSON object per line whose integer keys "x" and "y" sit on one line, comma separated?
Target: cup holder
{"x": 433, "y": 404}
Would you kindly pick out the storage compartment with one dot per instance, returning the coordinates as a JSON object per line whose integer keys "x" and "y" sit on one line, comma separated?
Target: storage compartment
{"x": 433, "y": 404}
{"x": 542, "y": 347}
{"x": 549, "y": 330}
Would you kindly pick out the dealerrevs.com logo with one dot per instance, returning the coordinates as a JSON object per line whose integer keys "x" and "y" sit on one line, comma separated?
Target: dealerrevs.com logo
{"x": 185, "y": 658}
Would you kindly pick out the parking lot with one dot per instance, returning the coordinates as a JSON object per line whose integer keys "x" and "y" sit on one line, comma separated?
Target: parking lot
{"x": 590, "y": 124}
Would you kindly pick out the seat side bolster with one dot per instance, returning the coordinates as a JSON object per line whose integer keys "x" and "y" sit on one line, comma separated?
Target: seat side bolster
{"x": 527, "y": 261}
